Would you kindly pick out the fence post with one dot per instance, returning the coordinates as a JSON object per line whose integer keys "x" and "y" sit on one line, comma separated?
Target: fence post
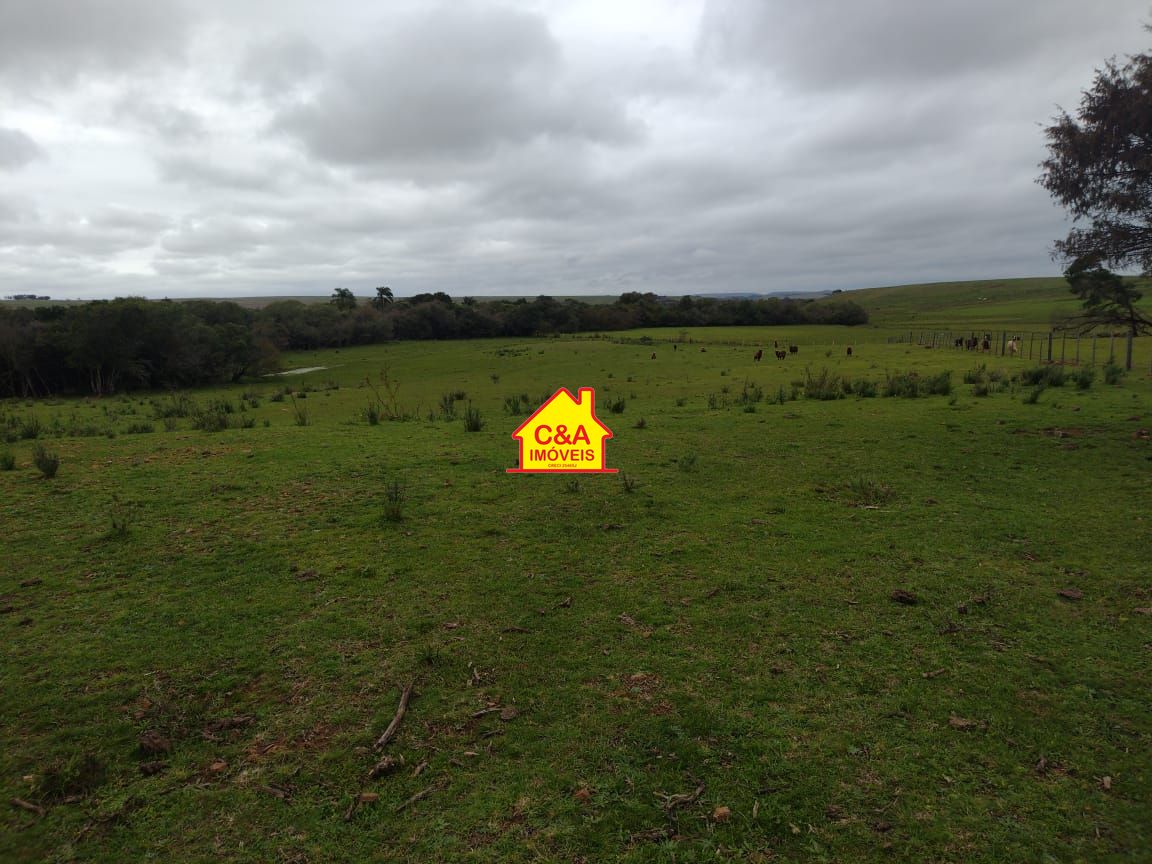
{"x": 1049, "y": 346}
{"x": 1031, "y": 339}
{"x": 1063, "y": 345}
{"x": 1128, "y": 358}
{"x": 1111, "y": 347}
{"x": 1093, "y": 349}
{"x": 1077, "y": 349}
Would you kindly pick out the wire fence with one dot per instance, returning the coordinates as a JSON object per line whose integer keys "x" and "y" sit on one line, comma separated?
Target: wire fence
{"x": 1069, "y": 349}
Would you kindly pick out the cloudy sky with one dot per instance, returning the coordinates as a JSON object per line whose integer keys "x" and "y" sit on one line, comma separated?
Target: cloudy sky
{"x": 239, "y": 147}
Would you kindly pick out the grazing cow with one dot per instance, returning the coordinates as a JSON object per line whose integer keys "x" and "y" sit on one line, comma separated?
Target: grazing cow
{"x": 1013, "y": 346}
{"x": 959, "y": 343}
{"x": 653, "y": 355}
{"x": 986, "y": 345}
{"x": 703, "y": 350}
{"x": 780, "y": 355}
{"x": 673, "y": 346}
{"x": 759, "y": 353}
{"x": 849, "y": 350}
{"x": 792, "y": 349}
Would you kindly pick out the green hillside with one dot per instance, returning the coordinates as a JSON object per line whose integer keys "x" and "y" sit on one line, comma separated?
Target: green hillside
{"x": 1020, "y": 303}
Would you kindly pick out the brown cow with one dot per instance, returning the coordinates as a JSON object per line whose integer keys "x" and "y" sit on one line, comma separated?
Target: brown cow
{"x": 849, "y": 350}
{"x": 780, "y": 355}
{"x": 758, "y": 355}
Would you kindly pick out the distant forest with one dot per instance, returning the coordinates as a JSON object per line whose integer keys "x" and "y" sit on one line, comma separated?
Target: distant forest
{"x": 112, "y": 346}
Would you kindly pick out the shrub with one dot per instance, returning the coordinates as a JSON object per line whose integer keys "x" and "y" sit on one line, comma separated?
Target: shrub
{"x": 629, "y": 482}
{"x": 122, "y": 515}
{"x": 372, "y": 414}
{"x": 824, "y": 385}
{"x": 472, "y": 421}
{"x": 616, "y": 406}
{"x": 394, "y": 497}
{"x": 687, "y": 462}
{"x": 863, "y": 388}
{"x": 911, "y": 385}
{"x": 977, "y": 375}
{"x": 1043, "y": 376}
{"x": 139, "y": 429}
{"x": 47, "y": 461}
{"x": 299, "y": 412}
{"x": 1084, "y": 377}
{"x": 209, "y": 421}
{"x": 751, "y": 393}
{"x": 515, "y": 405}
{"x": 981, "y": 389}
{"x": 641, "y": 424}
{"x": 1033, "y": 395}
{"x": 448, "y": 406}
{"x": 29, "y": 427}
{"x": 572, "y": 486}
{"x": 176, "y": 405}
{"x": 7, "y": 461}
{"x": 1113, "y": 373}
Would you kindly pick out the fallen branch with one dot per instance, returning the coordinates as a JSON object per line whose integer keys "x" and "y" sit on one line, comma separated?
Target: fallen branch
{"x": 395, "y": 724}
{"x": 671, "y": 802}
{"x": 27, "y": 805}
{"x": 419, "y": 796}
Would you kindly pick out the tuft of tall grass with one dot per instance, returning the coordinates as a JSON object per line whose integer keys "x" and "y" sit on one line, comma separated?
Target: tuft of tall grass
{"x": 45, "y": 460}
{"x": 472, "y": 421}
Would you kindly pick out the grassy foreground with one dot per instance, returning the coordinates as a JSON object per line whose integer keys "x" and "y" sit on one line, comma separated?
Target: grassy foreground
{"x": 847, "y": 630}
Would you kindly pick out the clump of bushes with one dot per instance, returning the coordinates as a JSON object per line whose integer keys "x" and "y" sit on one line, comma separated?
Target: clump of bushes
{"x": 1044, "y": 376}
{"x": 912, "y": 385}
{"x": 1113, "y": 373}
{"x": 46, "y": 461}
{"x": 7, "y": 461}
{"x": 616, "y": 406}
{"x": 825, "y": 385}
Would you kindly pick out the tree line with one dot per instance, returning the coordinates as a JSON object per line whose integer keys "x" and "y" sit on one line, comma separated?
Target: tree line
{"x": 110, "y": 346}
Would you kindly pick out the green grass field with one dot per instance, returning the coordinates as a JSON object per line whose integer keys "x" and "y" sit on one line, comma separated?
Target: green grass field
{"x": 705, "y": 657}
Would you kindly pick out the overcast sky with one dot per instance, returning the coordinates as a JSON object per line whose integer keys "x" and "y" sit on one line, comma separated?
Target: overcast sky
{"x": 240, "y": 147}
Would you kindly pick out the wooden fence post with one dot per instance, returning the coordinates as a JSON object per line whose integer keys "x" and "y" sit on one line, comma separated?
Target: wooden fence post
{"x": 1077, "y": 349}
{"x": 1063, "y": 344}
{"x": 1128, "y": 358}
{"x": 1093, "y": 349}
{"x": 1049, "y": 346}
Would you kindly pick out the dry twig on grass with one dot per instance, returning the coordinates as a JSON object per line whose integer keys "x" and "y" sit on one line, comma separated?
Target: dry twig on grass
{"x": 395, "y": 724}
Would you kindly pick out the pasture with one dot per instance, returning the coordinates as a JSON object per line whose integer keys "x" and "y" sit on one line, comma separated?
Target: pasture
{"x": 791, "y": 629}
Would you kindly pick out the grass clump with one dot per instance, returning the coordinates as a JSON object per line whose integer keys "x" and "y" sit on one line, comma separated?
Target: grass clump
{"x": 46, "y": 461}
{"x": 616, "y": 406}
{"x": 122, "y": 516}
{"x": 395, "y": 496}
{"x": 1113, "y": 373}
{"x": 912, "y": 385}
{"x": 1084, "y": 377}
{"x": 864, "y": 492}
{"x": 7, "y": 461}
{"x": 1044, "y": 376}
{"x": 472, "y": 420}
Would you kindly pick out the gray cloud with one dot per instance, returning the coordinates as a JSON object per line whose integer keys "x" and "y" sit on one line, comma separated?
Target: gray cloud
{"x": 169, "y": 122}
{"x": 17, "y": 150}
{"x": 54, "y": 41}
{"x": 847, "y": 45}
{"x": 533, "y": 147}
{"x": 448, "y": 84}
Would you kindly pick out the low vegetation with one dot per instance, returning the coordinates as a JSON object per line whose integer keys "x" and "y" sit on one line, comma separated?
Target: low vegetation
{"x": 844, "y": 629}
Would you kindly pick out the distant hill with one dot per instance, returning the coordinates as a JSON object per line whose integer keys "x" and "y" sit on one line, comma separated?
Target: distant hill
{"x": 1023, "y": 303}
